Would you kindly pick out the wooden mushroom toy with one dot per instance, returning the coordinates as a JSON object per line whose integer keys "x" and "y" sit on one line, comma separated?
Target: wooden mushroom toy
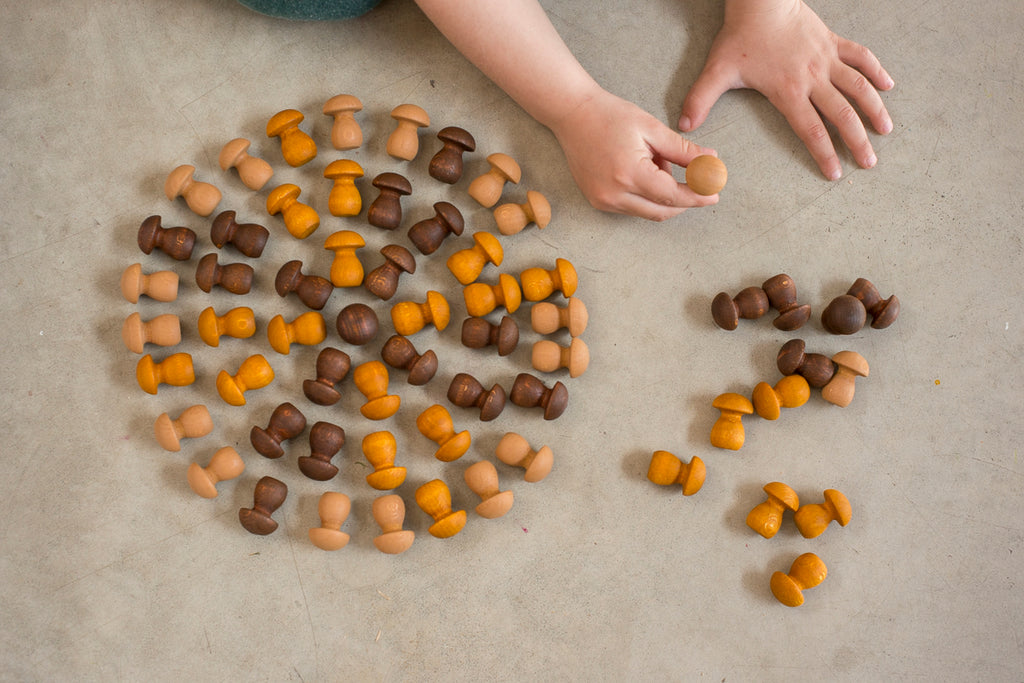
{"x": 399, "y": 352}
{"x": 666, "y": 469}
{"x": 371, "y": 379}
{"x": 849, "y": 366}
{"x": 344, "y": 199}
{"x": 252, "y": 171}
{"x": 286, "y": 423}
{"x": 386, "y": 210}
{"x": 163, "y": 330}
{"x": 308, "y": 329}
{"x": 409, "y": 317}
{"x": 548, "y": 318}
{"x": 268, "y": 496}
{"x": 429, "y": 233}
{"x": 482, "y": 298}
{"x": 325, "y": 440}
{"x": 435, "y": 499}
{"x": 379, "y": 448}
{"x": 238, "y": 323}
{"x": 357, "y": 324}
{"x": 706, "y": 175}
{"x": 728, "y": 429}
{"x": 175, "y": 242}
{"x": 791, "y": 391}
{"x": 346, "y": 268}
{"x": 312, "y": 290}
{"x": 193, "y": 422}
{"x": 300, "y": 219}
{"x": 812, "y": 519}
{"x": 539, "y": 284}
{"x": 781, "y": 293}
{"x": 234, "y": 277}
{"x": 201, "y": 197}
{"x": 248, "y": 238}
{"x": 548, "y": 356}
{"x": 225, "y": 464}
{"x": 816, "y": 368}
{"x": 479, "y": 332}
{"x": 435, "y": 423}
{"x": 175, "y": 370}
{"x": 466, "y": 391}
{"x": 404, "y": 141}
{"x": 883, "y": 312}
{"x": 750, "y": 303}
{"x": 333, "y": 510}
{"x": 766, "y": 517}
{"x": 514, "y": 450}
{"x": 467, "y": 264}
{"x": 512, "y": 218}
{"x": 486, "y": 189}
{"x": 389, "y": 513}
{"x": 382, "y": 281}
{"x": 159, "y": 286}
{"x": 345, "y": 131}
{"x": 530, "y": 392}
{"x": 446, "y": 165}
{"x": 807, "y": 571}
{"x": 482, "y": 479}
{"x": 254, "y": 373}
{"x": 332, "y": 365}
{"x": 296, "y": 146}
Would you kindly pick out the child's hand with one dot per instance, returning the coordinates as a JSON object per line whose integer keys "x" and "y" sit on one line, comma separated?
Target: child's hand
{"x": 621, "y": 158}
{"x": 782, "y": 49}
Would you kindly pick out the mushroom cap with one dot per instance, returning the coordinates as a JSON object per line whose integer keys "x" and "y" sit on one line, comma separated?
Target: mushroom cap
{"x": 343, "y": 168}
{"x": 440, "y": 312}
{"x": 281, "y": 194}
{"x": 539, "y": 207}
{"x": 852, "y": 361}
{"x": 282, "y": 121}
{"x": 451, "y": 216}
{"x": 844, "y": 315}
{"x": 794, "y": 391}
{"x": 393, "y": 181}
{"x": 400, "y": 256}
{"x": 232, "y": 152}
{"x": 579, "y": 357}
{"x": 490, "y": 246}
{"x": 506, "y": 166}
{"x": 885, "y": 313}
{"x": 344, "y": 239}
{"x": 784, "y": 494}
{"x": 342, "y": 103}
{"x": 841, "y": 505}
{"x": 578, "y": 316}
{"x": 733, "y": 402}
{"x": 411, "y": 113}
{"x": 511, "y": 293}
{"x": 178, "y": 180}
{"x": 457, "y": 136}
{"x": 791, "y": 356}
{"x": 695, "y": 479}
{"x": 567, "y": 276}
{"x": 766, "y": 401}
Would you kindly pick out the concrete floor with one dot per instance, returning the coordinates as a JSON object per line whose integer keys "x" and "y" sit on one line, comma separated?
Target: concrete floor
{"x": 114, "y": 570}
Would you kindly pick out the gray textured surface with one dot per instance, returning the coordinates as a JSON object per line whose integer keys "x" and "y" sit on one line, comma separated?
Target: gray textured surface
{"x": 113, "y": 570}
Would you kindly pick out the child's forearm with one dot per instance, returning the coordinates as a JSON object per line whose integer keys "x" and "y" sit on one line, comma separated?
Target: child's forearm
{"x": 515, "y": 45}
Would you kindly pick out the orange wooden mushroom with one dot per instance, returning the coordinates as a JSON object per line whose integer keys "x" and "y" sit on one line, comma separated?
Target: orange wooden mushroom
{"x": 296, "y": 146}
{"x": 666, "y": 469}
{"x": 345, "y": 131}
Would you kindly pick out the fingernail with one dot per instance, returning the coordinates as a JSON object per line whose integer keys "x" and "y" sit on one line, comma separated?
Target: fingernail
{"x": 835, "y": 174}
{"x": 886, "y": 127}
{"x": 889, "y": 82}
{"x": 684, "y": 123}
{"x": 870, "y": 161}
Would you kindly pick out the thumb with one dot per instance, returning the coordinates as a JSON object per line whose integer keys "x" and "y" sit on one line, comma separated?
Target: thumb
{"x": 668, "y": 145}
{"x": 706, "y": 90}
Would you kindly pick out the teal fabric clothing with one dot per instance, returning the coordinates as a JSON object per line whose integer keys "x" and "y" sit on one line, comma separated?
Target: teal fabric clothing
{"x": 311, "y": 10}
